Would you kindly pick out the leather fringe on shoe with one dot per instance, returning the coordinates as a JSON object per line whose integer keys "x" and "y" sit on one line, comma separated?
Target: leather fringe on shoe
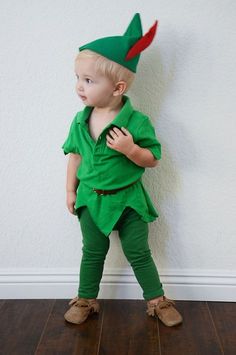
{"x": 83, "y": 302}
{"x": 163, "y": 304}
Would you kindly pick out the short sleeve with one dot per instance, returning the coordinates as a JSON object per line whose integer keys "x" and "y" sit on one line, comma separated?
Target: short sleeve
{"x": 146, "y": 138}
{"x": 71, "y": 143}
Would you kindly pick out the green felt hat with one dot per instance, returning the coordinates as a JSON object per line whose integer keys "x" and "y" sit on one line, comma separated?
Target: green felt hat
{"x": 124, "y": 50}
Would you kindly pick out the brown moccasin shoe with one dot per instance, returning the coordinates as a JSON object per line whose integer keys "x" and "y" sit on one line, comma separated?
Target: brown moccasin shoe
{"x": 80, "y": 309}
{"x": 165, "y": 311}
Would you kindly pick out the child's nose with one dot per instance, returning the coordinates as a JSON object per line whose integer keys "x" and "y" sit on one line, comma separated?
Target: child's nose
{"x": 80, "y": 86}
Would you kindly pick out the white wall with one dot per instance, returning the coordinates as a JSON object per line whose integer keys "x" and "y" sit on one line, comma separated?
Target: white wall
{"x": 185, "y": 82}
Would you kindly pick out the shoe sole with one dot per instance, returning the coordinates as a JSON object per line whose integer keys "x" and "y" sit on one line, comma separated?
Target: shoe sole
{"x": 169, "y": 325}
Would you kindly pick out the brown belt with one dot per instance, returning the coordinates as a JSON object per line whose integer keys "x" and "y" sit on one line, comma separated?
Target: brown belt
{"x": 111, "y": 192}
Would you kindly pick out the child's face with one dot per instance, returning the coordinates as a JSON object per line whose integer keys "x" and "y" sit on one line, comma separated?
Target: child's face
{"x": 93, "y": 88}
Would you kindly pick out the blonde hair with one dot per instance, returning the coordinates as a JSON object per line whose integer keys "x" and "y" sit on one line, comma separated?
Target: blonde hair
{"x": 108, "y": 68}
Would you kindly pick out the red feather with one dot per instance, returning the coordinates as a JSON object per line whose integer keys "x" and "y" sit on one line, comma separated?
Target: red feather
{"x": 142, "y": 43}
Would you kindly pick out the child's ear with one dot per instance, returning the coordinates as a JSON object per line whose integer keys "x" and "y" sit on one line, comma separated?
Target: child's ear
{"x": 120, "y": 88}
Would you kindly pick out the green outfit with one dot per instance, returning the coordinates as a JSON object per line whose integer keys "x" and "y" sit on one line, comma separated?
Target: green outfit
{"x": 104, "y": 168}
{"x": 127, "y": 211}
{"x": 133, "y": 233}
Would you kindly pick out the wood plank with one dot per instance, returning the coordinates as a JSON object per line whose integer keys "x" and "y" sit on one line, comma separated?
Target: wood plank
{"x": 22, "y": 322}
{"x": 196, "y": 335}
{"x": 62, "y": 337}
{"x": 2, "y": 303}
{"x": 224, "y": 318}
{"x": 127, "y": 329}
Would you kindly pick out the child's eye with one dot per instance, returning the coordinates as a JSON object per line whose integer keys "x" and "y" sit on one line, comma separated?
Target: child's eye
{"x": 89, "y": 81}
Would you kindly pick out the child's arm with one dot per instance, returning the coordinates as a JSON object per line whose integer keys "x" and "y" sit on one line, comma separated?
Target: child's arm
{"x": 122, "y": 141}
{"x": 71, "y": 181}
{"x": 142, "y": 157}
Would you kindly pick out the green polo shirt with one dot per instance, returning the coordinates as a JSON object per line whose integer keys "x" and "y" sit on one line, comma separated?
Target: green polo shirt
{"x": 104, "y": 168}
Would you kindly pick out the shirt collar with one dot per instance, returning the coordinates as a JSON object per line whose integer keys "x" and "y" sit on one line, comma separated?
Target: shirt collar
{"x": 121, "y": 118}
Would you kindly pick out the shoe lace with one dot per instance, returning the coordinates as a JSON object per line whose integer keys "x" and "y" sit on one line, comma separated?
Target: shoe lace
{"x": 166, "y": 303}
{"x": 78, "y": 302}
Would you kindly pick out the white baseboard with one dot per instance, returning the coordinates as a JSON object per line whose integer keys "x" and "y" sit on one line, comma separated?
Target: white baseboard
{"x": 179, "y": 284}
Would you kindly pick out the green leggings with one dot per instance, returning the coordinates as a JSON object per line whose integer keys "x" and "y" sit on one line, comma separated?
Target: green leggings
{"x": 133, "y": 233}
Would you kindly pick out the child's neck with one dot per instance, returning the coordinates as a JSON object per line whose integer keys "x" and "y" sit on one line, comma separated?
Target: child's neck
{"x": 113, "y": 108}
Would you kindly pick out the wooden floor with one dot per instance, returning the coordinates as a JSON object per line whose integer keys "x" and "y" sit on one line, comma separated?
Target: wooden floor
{"x": 122, "y": 327}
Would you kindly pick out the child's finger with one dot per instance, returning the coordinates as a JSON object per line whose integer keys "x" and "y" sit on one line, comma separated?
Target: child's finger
{"x": 125, "y": 131}
{"x": 112, "y": 133}
{"x": 109, "y": 139}
{"x": 117, "y": 131}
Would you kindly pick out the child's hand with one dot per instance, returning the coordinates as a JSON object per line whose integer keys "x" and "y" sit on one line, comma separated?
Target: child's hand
{"x": 70, "y": 201}
{"x": 120, "y": 140}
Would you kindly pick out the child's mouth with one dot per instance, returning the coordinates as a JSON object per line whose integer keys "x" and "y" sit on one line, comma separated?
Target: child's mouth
{"x": 82, "y": 97}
